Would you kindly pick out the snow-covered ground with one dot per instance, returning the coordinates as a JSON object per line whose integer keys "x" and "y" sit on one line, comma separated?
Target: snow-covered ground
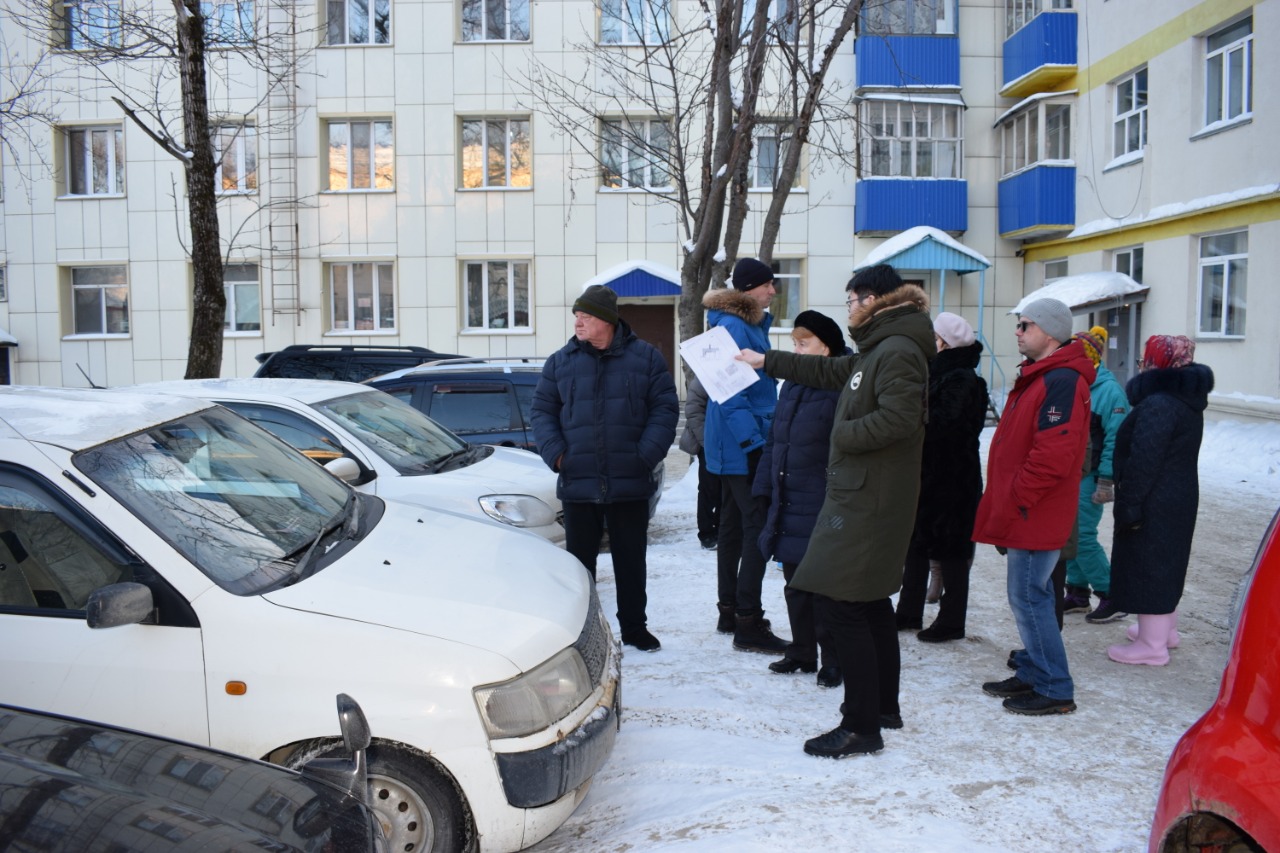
{"x": 709, "y": 756}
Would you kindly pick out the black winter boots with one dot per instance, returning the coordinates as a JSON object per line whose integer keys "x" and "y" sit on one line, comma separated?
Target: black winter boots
{"x": 751, "y": 634}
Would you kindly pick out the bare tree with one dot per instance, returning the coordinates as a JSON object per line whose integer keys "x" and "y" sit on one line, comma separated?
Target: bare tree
{"x": 154, "y": 58}
{"x": 675, "y": 111}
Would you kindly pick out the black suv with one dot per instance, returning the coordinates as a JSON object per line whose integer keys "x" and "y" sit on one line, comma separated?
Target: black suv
{"x": 346, "y": 363}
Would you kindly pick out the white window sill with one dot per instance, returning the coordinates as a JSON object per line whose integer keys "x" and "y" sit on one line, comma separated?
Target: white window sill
{"x": 771, "y": 189}
{"x": 495, "y": 189}
{"x": 88, "y": 196}
{"x": 637, "y": 190}
{"x": 360, "y": 191}
{"x": 223, "y": 193}
{"x": 1222, "y": 126}
{"x": 1212, "y": 337}
{"x": 361, "y": 333}
{"x": 356, "y": 45}
{"x": 494, "y": 41}
{"x": 257, "y": 333}
{"x": 1125, "y": 159}
{"x": 94, "y": 336}
{"x": 471, "y": 333}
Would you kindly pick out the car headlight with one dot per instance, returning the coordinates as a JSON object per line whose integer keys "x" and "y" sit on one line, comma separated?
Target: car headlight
{"x": 535, "y": 700}
{"x": 520, "y": 510}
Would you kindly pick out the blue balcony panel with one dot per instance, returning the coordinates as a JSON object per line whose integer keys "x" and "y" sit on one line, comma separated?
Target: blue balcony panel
{"x": 896, "y": 204}
{"x": 906, "y": 61}
{"x": 1039, "y": 201}
{"x": 1040, "y": 55}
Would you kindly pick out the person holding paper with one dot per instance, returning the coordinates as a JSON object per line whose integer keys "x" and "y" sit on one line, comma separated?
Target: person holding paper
{"x": 733, "y": 439}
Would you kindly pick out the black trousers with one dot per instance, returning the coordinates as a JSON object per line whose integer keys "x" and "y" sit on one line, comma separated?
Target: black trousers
{"x": 954, "y": 605}
{"x": 801, "y": 612}
{"x": 864, "y": 637}
{"x": 739, "y": 563}
{"x": 628, "y": 522}
{"x": 708, "y": 500}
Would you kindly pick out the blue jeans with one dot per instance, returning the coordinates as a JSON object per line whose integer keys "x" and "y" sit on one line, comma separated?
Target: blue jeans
{"x": 1031, "y": 597}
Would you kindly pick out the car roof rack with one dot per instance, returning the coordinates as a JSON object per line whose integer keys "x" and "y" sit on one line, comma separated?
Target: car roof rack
{"x": 502, "y": 360}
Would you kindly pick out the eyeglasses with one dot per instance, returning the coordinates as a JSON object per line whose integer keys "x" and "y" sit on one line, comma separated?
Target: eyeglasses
{"x": 1024, "y": 325}
{"x": 848, "y": 303}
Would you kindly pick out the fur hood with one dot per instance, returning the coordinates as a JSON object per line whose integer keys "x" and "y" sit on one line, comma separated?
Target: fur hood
{"x": 734, "y": 302}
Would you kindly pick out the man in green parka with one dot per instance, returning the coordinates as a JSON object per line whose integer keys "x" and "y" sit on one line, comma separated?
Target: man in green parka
{"x": 855, "y": 556}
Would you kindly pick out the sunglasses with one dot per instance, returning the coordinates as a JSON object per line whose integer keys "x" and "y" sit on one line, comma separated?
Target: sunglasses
{"x": 1024, "y": 325}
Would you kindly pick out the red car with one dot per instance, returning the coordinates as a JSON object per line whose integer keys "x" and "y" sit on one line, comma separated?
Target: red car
{"x": 1221, "y": 789}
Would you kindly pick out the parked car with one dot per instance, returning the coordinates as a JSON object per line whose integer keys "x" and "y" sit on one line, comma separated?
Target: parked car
{"x": 343, "y": 362}
{"x": 483, "y": 400}
{"x": 384, "y": 447}
{"x": 172, "y": 567}
{"x": 1222, "y": 783}
{"x": 73, "y": 785}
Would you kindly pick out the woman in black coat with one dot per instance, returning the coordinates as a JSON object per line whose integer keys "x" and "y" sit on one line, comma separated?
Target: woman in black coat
{"x": 1157, "y": 491}
{"x": 792, "y": 477}
{"x": 950, "y": 484}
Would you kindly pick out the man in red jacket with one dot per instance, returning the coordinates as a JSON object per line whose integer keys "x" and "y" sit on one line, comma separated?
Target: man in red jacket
{"x": 1033, "y": 477}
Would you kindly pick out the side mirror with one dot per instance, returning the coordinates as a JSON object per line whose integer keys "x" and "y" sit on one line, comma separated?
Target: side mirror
{"x": 119, "y": 604}
{"x": 347, "y": 773}
{"x": 344, "y": 468}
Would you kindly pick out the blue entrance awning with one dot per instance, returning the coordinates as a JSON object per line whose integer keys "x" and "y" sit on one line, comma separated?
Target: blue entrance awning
{"x": 639, "y": 278}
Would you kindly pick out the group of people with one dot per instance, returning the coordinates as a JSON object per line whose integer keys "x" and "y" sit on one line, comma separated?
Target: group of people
{"x": 862, "y": 477}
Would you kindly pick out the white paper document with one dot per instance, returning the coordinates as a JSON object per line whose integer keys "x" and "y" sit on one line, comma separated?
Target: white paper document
{"x": 711, "y": 355}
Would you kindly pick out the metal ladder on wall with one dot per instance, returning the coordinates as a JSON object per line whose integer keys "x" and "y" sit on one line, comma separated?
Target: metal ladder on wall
{"x": 282, "y": 157}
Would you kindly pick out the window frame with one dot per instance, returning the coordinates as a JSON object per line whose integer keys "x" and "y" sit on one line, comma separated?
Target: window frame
{"x": 484, "y": 169}
{"x": 351, "y": 292}
{"x": 878, "y": 19}
{"x": 244, "y": 152}
{"x": 653, "y": 158}
{"x": 70, "y": 28}
{"x": 371, "y": 157}
{"x": 483, "y": 25}
{"x": 789, "y": 281}
{"x": 229, "y": 30}
{"x": 1129, "y": 260}
{"x": 113, "y": 167}
{"x": 4, "y": 282}
{"x": 1019, "y": 13}
{"x": 783, "y": 141}
{"x": 104, "y": 309}
{"x": 657, "y": 30}
{"x": 230, "y": 323}
{"x": 1122, "y": 117}
{"x": 1234, "y": 300}
{"x": 1026, "y": 137}
{"x": 1243, "y": 45}
{"x": 335, "y": 38}
{"x": 896, "y": 143}
{"x": 484, "y": 291}
{"x": 1051, "y": 265}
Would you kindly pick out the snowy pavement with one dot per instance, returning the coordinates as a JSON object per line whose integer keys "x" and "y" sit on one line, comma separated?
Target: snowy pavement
{"x": 709, "y": 756}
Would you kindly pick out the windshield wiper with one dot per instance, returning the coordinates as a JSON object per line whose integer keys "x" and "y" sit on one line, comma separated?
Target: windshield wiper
{"x": 344, "y": 519}
{"x": 439, "y": 464}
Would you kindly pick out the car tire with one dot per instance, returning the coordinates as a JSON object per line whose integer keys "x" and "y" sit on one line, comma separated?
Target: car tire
{"x": 418, "y": 806}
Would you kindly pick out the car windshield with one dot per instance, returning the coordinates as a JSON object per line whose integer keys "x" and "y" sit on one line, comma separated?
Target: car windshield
{"x": 241, "y": 505}
{"x": 408, "y": 440}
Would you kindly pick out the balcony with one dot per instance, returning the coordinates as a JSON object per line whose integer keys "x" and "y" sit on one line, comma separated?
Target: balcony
{"x": 907, "y": 61}
{"x": 1038, "y": 201}
{"x": 889, "y": 205}
{"x": 1040, "y": 55}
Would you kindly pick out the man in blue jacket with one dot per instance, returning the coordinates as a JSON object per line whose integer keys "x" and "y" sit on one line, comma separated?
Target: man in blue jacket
{"x": 604, "y": 415}
{"x": 733, "y": 439}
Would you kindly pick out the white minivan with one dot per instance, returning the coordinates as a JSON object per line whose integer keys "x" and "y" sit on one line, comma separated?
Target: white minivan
{"x": 168, "y": 566}
{"x": 386, "y": 447}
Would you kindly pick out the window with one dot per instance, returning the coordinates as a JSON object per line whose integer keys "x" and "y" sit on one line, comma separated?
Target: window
{"x": 1224, "y": 275}
{"x": 635, "y": 21}
{"x": 635, "y": 154}
{"x": 788, "y": 281}
{"x": 1228, "y": 73}
{"x": 768, "y": 152}
{"x": 359, "y": 22}
{"x": 235, "y": 147}
{"x": 1023, "y": 144}
{"x": 361, "y": 155}
{"x": 227, "y": 22}
{"x": 495, "y": 20}
{"x": 783, "y": 20}
{"x": 1131, "y": 114}
{"x": 1129, "y": 262}
{"x": 908, "y": 18}
{"x": 497, "y": 295}
{"x": 1017, "y": 13}
{"x": 99, "y": 301}
{"x": 1055, "y": 269}
{"x": 364, "y": 297}
{"x": 4, "y": 283}
{"x": 244, "y": 311}
{"x": 902, "y": 139}
{"x": 95, "y": 160}
{"x": 92, "y": 24}
{"x": 495, "y": 153}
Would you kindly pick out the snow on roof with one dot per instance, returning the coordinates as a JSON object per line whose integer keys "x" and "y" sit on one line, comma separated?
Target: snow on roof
{"x": 6, "y": 339}
{"x": 613, "y": 273}
{"x": 1031, "y": 99}
{"x": 913, "y": 236}
{"x": 1168, "y": 211}
{"x": 1085, "y": 289}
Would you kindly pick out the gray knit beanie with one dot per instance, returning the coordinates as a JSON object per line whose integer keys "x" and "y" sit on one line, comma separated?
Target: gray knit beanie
{"x": 1052, "y": 316}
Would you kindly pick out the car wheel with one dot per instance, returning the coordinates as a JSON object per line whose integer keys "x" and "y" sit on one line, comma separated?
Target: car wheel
{"x": 419, "y": 808}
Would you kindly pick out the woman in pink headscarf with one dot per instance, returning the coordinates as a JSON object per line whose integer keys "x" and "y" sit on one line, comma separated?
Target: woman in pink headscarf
{"x": 1157, "y": 493}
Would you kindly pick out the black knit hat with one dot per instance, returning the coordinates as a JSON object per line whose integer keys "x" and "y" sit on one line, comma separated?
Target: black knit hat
{"x": 823, "y": 328}
{"x": 749, "y": 273}
{"x": 598, "y": 301}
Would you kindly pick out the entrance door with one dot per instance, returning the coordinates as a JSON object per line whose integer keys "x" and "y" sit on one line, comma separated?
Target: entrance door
{"x": 655, "y": 324}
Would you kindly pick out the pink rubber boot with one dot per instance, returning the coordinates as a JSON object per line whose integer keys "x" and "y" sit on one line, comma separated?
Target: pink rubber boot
{"x": 1152, "y": 645}
{"x": 1175, "y": 639}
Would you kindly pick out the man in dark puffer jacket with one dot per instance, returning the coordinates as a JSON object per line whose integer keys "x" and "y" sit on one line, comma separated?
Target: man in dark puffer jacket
{"x": 604, "y": 415}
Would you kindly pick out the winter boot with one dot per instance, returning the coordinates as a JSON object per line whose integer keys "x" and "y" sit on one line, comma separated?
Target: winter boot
{"x": 752, "y": 634}
{"x": 1075, "y": 599}
{"x": 1106, "y": 611}
{"x": 935, "y": 583}
{"x": 725, "y": 624}
{"x": 1175, "y": 639}
{"x": 1152, "y": 645}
